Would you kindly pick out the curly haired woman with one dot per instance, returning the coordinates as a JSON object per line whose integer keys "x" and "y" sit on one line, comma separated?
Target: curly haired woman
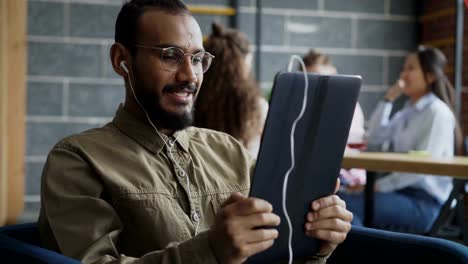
{"x": 229, "y": 99}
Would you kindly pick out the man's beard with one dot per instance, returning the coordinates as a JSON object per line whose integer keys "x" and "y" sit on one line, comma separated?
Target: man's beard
{"x": 161, "y": 118}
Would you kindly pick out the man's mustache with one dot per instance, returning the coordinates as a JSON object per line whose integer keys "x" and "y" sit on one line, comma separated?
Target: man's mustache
{"x": 183, "y": 87}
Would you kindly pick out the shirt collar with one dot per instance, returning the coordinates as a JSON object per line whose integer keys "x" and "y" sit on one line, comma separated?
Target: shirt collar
{"x": 422, "y": 102}
{"x": 144, "y": 134}
{"x": 425, "y": 101}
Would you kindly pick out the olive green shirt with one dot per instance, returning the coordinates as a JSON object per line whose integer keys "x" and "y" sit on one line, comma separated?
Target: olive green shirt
{"x": 121, "y": 194}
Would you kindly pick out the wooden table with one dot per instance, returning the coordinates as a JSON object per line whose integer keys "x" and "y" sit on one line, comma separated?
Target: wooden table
{"x": 401, "y": 162}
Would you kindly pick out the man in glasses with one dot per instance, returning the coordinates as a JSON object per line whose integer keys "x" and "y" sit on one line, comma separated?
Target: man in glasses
{"x": 147, "y": 187}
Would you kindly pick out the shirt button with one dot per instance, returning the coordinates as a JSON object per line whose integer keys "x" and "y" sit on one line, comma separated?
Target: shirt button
{"x": 180, "y": 173}
{"x": 171, "y": 142}
{"x": 195, "y": 217}
{"x": 183, "y": 181}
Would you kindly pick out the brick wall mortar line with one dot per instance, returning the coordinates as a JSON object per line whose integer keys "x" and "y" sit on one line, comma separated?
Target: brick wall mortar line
{"x": 66, "y": 18}
{"x": 75, "y": 80}
{"x": 32, "y": 198}
{"x": 354, "y": 32}
{"x": 91, "y": 2}
{"x": 331, "y": 14}
{"x": 364, "y": 88}
{"x": 69, "y": 40}
{"x": 321, "y": 5}
{"x": 385, "y": 71}
{"x": 387, "y": 4}
{"x": 36, "y": 158}
{"x": 69, "y": 119}
{"x": 65, "y": 97}
{"x": 104, "y": 57}
{"x": 336, "y": 51}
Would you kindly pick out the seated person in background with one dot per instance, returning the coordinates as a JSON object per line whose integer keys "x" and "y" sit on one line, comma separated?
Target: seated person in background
{"x": 230, "y": 101}
{"x": 320, "y": 63}
{"x": 404, "y": 201}
{"x": 147, "y": 187}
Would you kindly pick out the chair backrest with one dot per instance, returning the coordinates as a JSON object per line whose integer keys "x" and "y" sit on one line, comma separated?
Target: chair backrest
{"x": 21, "y": 244}
{"x": 26, "y": 233}
{"x": 365, "y": 245}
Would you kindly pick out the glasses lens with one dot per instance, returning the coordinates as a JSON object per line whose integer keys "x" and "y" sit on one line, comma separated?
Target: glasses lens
{"x": 171, "y": 58}
{"x": 206, "y": 61}
{"x": 201, "y": 62}
{"x": 197, "y": 62}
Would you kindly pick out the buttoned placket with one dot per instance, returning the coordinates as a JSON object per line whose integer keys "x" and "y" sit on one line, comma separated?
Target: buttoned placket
{"x": 181, "y": 175}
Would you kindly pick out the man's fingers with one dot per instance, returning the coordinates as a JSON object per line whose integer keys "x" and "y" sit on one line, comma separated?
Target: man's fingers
{"x": 332, "y": 237}
{"x": 333, "y": 224}
{"x": 261, "y": 220}
{"x": 237, "y": 196}
{"x": 254, "y": 248}
{"x": 334, "y": 211}
{"x": 327, "y": 201}
{"x": 248, "y": 206}
{"x": 262, "y": 234}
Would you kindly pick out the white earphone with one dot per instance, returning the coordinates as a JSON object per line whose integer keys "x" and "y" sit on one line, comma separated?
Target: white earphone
{"x": 122, "y": 64}
{"x": 194, "y": 214}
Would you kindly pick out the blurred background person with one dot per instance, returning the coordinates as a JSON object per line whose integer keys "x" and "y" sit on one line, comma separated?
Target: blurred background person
{"x": 426, "y": 124}
{"x": 320, "y": 63}
{"x": 229, "y": 99}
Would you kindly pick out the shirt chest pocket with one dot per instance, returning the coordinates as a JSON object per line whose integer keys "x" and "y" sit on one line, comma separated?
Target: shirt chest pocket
{"x": 155, "y": 217}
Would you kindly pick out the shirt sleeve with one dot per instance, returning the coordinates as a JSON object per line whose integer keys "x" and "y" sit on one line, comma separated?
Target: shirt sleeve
{"x": 85, "y": 226}
{"x": 380, "y": 126}
{"x": 437, "y": 139}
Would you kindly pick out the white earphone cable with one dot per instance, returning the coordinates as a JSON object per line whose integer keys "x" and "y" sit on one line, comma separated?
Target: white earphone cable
{"x": 171, "y": 144}
{"x": 291, "y": 168}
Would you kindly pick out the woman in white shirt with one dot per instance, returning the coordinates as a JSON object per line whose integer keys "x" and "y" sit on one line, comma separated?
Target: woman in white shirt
{"x": 404, "y": 201}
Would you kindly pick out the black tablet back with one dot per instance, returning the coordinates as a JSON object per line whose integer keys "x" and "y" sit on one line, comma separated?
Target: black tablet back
{"x": 320, "y": 140}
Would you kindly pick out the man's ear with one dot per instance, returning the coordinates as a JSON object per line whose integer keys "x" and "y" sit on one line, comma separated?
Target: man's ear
{"x": 119, "y": 53}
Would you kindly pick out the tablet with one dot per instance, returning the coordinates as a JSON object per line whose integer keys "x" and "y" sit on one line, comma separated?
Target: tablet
{"x": 320, "y": 140}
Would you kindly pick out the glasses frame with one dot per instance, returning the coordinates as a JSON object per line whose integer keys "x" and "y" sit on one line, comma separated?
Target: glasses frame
{"x": 192, "y": 56}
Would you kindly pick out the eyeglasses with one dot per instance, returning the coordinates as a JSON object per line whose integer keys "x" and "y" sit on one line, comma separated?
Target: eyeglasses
{"x": 172, "y": 58}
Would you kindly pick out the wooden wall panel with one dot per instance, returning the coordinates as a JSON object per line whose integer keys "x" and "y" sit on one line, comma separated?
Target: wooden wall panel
{"x": 13, "y": 19}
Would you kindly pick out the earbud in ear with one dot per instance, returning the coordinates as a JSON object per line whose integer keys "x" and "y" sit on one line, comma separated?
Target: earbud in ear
{"x": 122, "y": 64}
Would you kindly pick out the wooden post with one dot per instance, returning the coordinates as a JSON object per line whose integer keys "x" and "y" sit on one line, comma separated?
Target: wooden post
{"x": 13, "y": 19}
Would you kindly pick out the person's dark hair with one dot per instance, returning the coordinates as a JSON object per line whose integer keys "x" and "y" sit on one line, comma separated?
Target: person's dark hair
{"x": 315, "y": 57}
{"x": 131, "y": 11}
{"x": 228, "y": 100}
{"x": 433, "y": 62}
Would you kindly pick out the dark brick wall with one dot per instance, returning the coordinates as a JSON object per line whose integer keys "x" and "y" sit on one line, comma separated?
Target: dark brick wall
{"x": 440, "y": 31}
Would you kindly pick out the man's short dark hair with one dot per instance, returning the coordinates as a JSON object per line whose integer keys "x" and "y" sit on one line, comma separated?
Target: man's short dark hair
{"x": 125, "y": 26}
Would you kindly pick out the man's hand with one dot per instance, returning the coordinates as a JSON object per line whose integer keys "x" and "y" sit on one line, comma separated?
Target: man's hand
{"x": 329, "y": 221}
{"x": 238, "y": 234}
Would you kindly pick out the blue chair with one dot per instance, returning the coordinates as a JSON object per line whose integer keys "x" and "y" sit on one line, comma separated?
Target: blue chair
{"x": 21, "y": 244}
{"x": 365, "y": 245}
